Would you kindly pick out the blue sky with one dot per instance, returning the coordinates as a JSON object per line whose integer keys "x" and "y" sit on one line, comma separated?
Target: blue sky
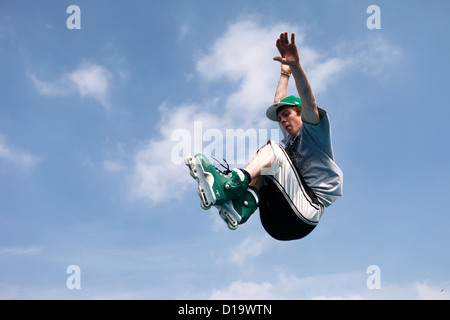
{"x": 93, "y": 123}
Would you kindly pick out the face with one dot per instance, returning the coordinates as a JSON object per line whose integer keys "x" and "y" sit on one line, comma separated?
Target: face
{"x": 290, "y": 120}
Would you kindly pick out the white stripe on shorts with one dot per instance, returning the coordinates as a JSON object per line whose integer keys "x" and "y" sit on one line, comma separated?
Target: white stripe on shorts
{"x": 285, "y": 176}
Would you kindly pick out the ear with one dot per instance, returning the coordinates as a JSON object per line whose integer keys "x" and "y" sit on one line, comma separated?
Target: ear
{"x": 298, "y": 110}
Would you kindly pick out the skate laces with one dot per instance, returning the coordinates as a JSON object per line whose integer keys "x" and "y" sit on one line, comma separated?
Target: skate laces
{"x": 227, "y": 168}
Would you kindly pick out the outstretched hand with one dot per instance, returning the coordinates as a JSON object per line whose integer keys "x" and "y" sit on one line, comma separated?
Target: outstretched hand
{"x": 288, "y": 51}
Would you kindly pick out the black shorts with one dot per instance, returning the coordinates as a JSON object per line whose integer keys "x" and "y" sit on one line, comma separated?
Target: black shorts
{"x": 289, "y": 210}
{"x": 277, "y": 216}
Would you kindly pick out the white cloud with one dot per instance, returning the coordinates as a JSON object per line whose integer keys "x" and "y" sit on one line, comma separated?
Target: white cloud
{"x": 371, "y": 56}
{"x": 340, "y": 286}
{"x": 57, "y": 88}
{"x": 323, "y": 73}
{"x": 16, "y": 156}
{"x": 184, "y": 31}
{"x": 113, "y": 166}
{"x": 351, "y": 297}
{"x": 242, "y": 56}
{"x": 249, "y": 248}
{"x": 425, "y": 291}
{"x": 239, "y": 290}
{"x": 158, "y": 173}
{"x": 155, "y": 157}
{"x": 88, "y": 80}
{"x": 93, "y": 81}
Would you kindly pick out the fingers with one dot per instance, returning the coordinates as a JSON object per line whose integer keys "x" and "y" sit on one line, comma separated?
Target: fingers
{"x": 281, "y": 60}
{"x": 284, "y": 40}
{"x": 279, "y": 46}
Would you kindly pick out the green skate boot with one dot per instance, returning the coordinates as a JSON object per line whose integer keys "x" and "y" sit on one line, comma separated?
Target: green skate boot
{"x": 238, "y": 210}
{"x": 216, "y": 187}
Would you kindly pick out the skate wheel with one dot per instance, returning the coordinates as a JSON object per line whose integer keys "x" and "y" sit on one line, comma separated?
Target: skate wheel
{"x": 206, "y": 206}
{"x": 188, "y": 160}
{"x": 203, "y": 202}
{"x": 232, "y": 226}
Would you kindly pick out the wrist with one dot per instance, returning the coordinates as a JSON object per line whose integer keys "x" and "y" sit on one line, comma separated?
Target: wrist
{"x": 285, "y": 73}
{"x": 296, "y": 68}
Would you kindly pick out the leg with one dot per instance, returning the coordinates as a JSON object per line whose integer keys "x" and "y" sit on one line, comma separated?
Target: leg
{"x": 214, "y": 186}
{"x": 228, "y": 191}
{"x": 236, "y": 198}
{"x": 245, "y": 205}
{"x": 263, "y": 160}
{"x": 287, "y": 210}
{"x": 257, "y": 182}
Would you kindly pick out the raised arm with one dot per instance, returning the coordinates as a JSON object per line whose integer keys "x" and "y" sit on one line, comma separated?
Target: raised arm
{"x": 281, "y": 91}
{"x": 290, "y": 57}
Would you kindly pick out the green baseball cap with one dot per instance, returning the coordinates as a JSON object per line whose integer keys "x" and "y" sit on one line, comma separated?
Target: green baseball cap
{"x": 293, "y": 101}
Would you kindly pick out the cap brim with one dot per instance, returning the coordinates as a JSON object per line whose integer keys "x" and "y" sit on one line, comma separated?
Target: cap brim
{"x": 271, "y": 112}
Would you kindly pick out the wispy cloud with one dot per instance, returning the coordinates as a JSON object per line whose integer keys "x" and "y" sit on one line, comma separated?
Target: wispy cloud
{"x": 19, "y": 251}
{"x": 371, "y": 56}
{"x": 339, "y": 286}
{"x": 89, "y": 80}
{"x": 184, "y": 31}
{"x": 16, "y": 156}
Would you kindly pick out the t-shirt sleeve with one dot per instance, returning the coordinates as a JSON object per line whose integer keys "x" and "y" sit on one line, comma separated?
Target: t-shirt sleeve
{"x": 319, "y": 135}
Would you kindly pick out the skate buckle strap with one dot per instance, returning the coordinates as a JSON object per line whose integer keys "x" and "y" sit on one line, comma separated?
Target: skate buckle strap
{"x": 254, "y": 194}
